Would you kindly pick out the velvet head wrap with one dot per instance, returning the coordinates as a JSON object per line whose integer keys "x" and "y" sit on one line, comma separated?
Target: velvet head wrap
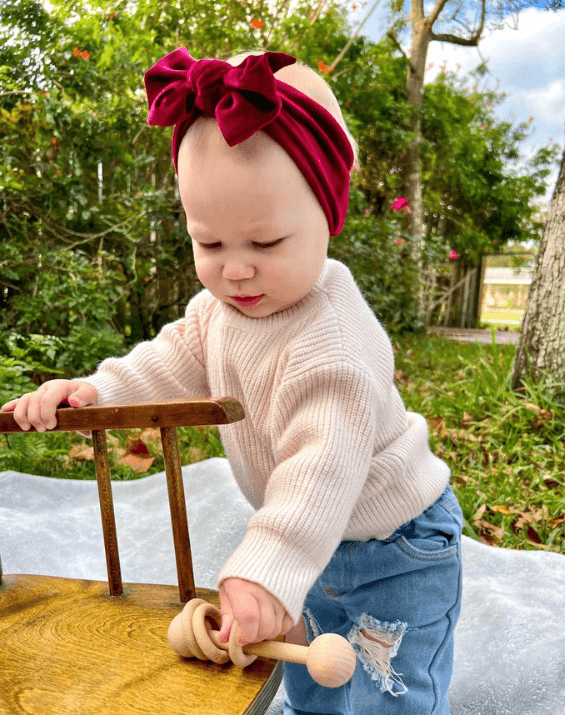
{"x": 246, "y": 99}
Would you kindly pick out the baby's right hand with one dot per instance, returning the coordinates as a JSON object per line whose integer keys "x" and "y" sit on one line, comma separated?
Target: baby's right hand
{"x": 38, "y": 408}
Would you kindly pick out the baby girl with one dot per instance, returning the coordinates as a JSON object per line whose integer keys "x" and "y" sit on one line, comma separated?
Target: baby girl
{"x": 356, "y": 529}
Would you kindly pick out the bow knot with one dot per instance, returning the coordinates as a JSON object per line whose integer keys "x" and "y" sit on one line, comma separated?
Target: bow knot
{"x": 243, "y": 99}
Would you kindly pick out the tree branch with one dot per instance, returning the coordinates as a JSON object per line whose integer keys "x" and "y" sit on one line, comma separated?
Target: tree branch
{"x": 454, "y": 39}
{"x": 16, "y": 91}
{"x": 472, "y": 42}
{"x": 352, "y": 38}
{"x": 390, "y": 34}
{"x": 433, "y": 16}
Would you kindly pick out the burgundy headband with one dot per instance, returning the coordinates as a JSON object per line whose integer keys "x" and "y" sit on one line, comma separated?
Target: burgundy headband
{"x": 246, "y": 99}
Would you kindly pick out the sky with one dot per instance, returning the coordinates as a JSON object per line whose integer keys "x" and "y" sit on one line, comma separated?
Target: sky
{"x": 529, "y": 62}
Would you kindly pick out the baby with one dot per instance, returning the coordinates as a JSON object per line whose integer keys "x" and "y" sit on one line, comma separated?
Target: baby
{"x": 356, "y": 529}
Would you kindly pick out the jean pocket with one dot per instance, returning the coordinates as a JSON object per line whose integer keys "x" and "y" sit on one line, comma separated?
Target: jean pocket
{"x": 431, "y": 548}
{"x": 432, "y": 536}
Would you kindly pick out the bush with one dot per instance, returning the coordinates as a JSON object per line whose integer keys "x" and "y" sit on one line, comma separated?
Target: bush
{"x": 377, "y": 251}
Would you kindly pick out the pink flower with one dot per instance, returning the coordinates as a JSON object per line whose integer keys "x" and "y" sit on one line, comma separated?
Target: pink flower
{"x": 453, "y": 255}
{"x": 399, "y": 241}
{"x": 400, "y": 203}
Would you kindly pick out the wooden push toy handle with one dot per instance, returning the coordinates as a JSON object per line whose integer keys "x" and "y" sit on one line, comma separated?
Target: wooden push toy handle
{"x": 330, "y": 659}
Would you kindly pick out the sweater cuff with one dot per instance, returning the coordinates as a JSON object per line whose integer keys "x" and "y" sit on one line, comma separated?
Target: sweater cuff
{"x": 109, "y": 392}
{"x": 287, "y": 572}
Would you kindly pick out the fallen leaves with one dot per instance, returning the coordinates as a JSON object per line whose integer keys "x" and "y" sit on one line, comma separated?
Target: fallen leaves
{"x": 543, "y": 415}
{"x": 136, "y": 454}
{"x": 493, "y": 534}
{"x": 438, "y": 427}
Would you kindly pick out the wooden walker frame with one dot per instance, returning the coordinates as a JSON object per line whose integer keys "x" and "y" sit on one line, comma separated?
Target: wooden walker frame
{"x": 67, "y": 647}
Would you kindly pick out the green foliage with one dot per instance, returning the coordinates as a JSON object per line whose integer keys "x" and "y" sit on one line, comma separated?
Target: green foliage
{"x": 377, "y": 251}
{"x": 478, "y": 198}
{"x": 63, "y": 315}
{"x": 93, "y": 248}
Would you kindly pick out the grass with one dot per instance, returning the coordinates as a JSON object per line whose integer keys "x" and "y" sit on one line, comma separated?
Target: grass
{"x": 505, "y": 449}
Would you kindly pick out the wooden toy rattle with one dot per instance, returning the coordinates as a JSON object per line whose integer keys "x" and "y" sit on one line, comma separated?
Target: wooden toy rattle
{"x": 330, "y": 659}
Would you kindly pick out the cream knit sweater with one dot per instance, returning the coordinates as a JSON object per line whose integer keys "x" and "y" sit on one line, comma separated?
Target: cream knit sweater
{"x": 326, "y": 452}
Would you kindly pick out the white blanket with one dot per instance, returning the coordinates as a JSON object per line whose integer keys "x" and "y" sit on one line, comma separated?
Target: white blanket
{"x": 509, "y": 641}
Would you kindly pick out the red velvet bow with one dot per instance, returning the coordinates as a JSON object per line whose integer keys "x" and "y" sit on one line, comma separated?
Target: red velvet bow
{"x": 246, "y": 99}
{"x": 243, "y": 99}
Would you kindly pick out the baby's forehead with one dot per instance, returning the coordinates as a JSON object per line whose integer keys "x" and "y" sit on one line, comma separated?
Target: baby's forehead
{"x": 204, "y": 142}
{"x": 259, "y": 164}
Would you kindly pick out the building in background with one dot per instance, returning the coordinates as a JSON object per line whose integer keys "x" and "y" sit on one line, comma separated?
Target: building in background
{"x": 505, "y": 291}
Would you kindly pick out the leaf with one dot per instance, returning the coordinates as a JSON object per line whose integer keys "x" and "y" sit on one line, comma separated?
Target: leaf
{"x": 437, "y": 425}
{"x": 543, "y": 415}
{"x": 462, "y": 435}
{"x": 151, "y": 434}
{"x": 81, "y": 453}
{"x": 400, "y": 376}
{"x": 138, "y": 464}
{"x": 502, "y": 509}
{"x": 497, "y": 531}
{"x": 135, "y": 445}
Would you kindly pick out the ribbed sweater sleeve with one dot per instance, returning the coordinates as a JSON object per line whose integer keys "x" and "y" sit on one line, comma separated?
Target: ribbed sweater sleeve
{"x": 328, "y": 417}
{"x": 171, "y": 366}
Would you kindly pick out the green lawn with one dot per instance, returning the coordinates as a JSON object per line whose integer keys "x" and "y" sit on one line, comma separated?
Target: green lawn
{"x": 505, "y": 449}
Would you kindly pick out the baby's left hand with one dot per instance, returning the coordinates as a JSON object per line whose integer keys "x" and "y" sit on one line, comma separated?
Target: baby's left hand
{"x": 259, "y": 614}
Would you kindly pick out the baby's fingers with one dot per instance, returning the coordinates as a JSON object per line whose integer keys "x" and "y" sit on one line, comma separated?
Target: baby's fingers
{"x": 21, "y": 409}
{"x": 9, "y": 406}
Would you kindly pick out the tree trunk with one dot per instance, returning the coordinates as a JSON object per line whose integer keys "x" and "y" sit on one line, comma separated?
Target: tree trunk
{"x": 414, "y": 90}
{"x": 422, "y": 35}
{"x": 542, "y": 343}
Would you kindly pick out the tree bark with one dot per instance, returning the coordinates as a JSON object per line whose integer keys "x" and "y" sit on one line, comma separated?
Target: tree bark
{"x": 541, "y": 348}
{"x": 422, "y": 35}
{"x": 414, "y": 90}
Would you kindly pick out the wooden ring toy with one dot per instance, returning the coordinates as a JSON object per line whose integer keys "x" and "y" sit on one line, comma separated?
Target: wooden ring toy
{"x": 330, "y": 658}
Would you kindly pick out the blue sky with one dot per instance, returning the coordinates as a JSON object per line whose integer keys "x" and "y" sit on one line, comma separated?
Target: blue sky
{"x": 529, "y": 62}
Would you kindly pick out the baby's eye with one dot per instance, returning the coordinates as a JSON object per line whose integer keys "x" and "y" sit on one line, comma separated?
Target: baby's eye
{"x": 268, "y": 245}
{"x": 260, "y": 246}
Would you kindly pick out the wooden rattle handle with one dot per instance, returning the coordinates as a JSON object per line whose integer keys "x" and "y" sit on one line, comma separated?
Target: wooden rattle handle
{"x": 330, "y": 659}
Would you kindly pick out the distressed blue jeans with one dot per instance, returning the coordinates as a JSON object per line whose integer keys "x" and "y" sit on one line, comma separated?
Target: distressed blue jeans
{"x": 405, "y": 594}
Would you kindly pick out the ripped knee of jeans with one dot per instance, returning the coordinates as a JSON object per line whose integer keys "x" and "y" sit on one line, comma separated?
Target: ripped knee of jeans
{"x": 312, "y": 627}
{"x": 375, "y": 644}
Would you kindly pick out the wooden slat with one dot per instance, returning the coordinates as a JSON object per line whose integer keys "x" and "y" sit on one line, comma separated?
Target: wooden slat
{"x": 169, "y": 413}
{"x": 179, "y": 519}
{"x": 107, "y": 512}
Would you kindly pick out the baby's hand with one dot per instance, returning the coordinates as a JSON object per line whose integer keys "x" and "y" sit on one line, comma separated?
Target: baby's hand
{"x": 259, "y": 614}
{"x": 38, "y": 408}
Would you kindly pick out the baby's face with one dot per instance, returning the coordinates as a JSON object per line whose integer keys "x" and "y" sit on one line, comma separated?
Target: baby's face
{"x": 256, "y": 227}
